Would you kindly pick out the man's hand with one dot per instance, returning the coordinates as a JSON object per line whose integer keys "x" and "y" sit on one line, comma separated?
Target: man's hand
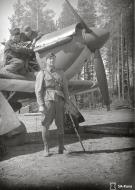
{"x": 67, "y": 107}
{"x": 41, "y": 109}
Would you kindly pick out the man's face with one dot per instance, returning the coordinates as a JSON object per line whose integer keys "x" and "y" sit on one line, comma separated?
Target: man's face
{"x": 51, "y": 62}
{"x": 16, "y": 38}
{"x": 28, "y": 33}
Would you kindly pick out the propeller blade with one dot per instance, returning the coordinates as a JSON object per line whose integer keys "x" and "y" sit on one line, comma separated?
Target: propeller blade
{"x": 99, "y": 66}
{"x": 101, "y": 77}
{"x": 79, "y": 19}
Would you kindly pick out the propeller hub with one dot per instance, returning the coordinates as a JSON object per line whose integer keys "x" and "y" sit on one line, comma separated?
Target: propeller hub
{"x": 96, "y": 39}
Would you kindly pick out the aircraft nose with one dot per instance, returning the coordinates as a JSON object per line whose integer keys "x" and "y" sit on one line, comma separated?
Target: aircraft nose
{"x": 96, "y": 39}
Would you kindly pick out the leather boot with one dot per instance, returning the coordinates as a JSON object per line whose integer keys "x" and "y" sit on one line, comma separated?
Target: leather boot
{"x": 60, "y": 143}
{"x": 46, "y": 150}
{"x": 45, "y": 137}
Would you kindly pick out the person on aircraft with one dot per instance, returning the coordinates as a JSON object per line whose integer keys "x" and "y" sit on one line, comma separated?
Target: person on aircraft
{"x": 15, "y": 55}
{"x": 52, "y": 95}
{"x": 30, "y": 35}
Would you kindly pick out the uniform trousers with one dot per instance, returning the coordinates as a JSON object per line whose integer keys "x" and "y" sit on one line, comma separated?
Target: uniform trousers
{"x": 15, "y": 65}
{"x": 54, "y": 110}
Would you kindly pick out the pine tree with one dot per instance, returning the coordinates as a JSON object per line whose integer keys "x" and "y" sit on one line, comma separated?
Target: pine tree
{"x": 66, "y": 18}
{"x": 119, "y": 19}
{"x": 34, "y": 14}
{"x": 38, "y": 17}
{"x": 86, "y": 10}
{"x": 16, "y": 19}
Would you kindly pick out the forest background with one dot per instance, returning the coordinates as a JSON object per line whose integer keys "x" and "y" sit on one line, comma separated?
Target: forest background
{"x": 118, "y": 53}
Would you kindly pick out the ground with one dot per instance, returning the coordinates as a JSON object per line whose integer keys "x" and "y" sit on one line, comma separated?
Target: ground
{"x": 107, "y": 159}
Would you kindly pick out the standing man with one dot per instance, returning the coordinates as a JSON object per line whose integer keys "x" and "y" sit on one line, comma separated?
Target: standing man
{"x": 52, "y": 95}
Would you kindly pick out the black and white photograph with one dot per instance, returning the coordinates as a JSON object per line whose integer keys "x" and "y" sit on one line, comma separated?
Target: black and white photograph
{"x": 67, "y": 94}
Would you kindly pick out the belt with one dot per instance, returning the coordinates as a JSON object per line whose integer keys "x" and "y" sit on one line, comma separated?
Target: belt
{"x": 53, "y": 89}
{"x": 58, "y": 92}
{"x": 48, "y": 88}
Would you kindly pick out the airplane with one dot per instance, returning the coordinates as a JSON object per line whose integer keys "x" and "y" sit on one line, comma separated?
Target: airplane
{"x": 72, "y": 46}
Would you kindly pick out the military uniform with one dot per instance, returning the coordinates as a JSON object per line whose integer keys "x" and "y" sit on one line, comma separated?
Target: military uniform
{"x": 52, "y": 93}
{"x": 31, "y": 36}
{"x": 15, "y": 56}
{"x": 34, "y": 35}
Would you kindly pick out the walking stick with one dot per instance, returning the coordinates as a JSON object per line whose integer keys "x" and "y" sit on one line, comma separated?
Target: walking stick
{"x": 74, "y": 127}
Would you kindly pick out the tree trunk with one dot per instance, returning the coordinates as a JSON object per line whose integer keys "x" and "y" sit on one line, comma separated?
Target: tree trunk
{"x": 133, "y": 54}
{"x": 37, "y": 15}
{"x": 118, "y": 71}
{"x": 112, "y": 67}
{"x": 127, "y": 57}
{"x": 122, "y": 60}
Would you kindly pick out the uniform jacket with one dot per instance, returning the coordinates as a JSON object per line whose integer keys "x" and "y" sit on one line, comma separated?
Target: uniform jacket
{"x": 50, "y": 85}
{"x": 15, "y": 50}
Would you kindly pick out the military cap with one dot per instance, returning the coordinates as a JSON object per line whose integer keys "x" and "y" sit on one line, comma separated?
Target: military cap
{"x": 27, "y": 28}
{"x": 49, "y": 55}
{"x": 15, "y": 31}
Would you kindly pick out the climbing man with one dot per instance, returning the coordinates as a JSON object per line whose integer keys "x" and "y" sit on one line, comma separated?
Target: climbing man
{"x": 15, "y": 55}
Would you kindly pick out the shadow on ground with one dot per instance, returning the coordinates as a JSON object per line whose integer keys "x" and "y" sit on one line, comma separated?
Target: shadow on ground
{"x": 78, "y": 153}
{"x": 37, "y": 146}
{"x": 72, "y": 186}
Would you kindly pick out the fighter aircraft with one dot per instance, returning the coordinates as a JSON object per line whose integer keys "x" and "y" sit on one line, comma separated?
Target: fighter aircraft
{"x": 71, "y": 45}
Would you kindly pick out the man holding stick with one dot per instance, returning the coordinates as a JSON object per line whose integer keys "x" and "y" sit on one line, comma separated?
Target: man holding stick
{"x": 52, "y": 97}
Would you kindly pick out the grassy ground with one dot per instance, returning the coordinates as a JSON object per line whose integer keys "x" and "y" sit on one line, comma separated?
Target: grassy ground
{"x": 107, "y": 159}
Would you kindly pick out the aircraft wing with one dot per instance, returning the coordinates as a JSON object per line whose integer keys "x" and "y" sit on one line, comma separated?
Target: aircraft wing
{"x": 16, "y": 85}
{"x": 7, "y": 116}
{"x": 75, "y": 86}
{"x": 81, "y": 86}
